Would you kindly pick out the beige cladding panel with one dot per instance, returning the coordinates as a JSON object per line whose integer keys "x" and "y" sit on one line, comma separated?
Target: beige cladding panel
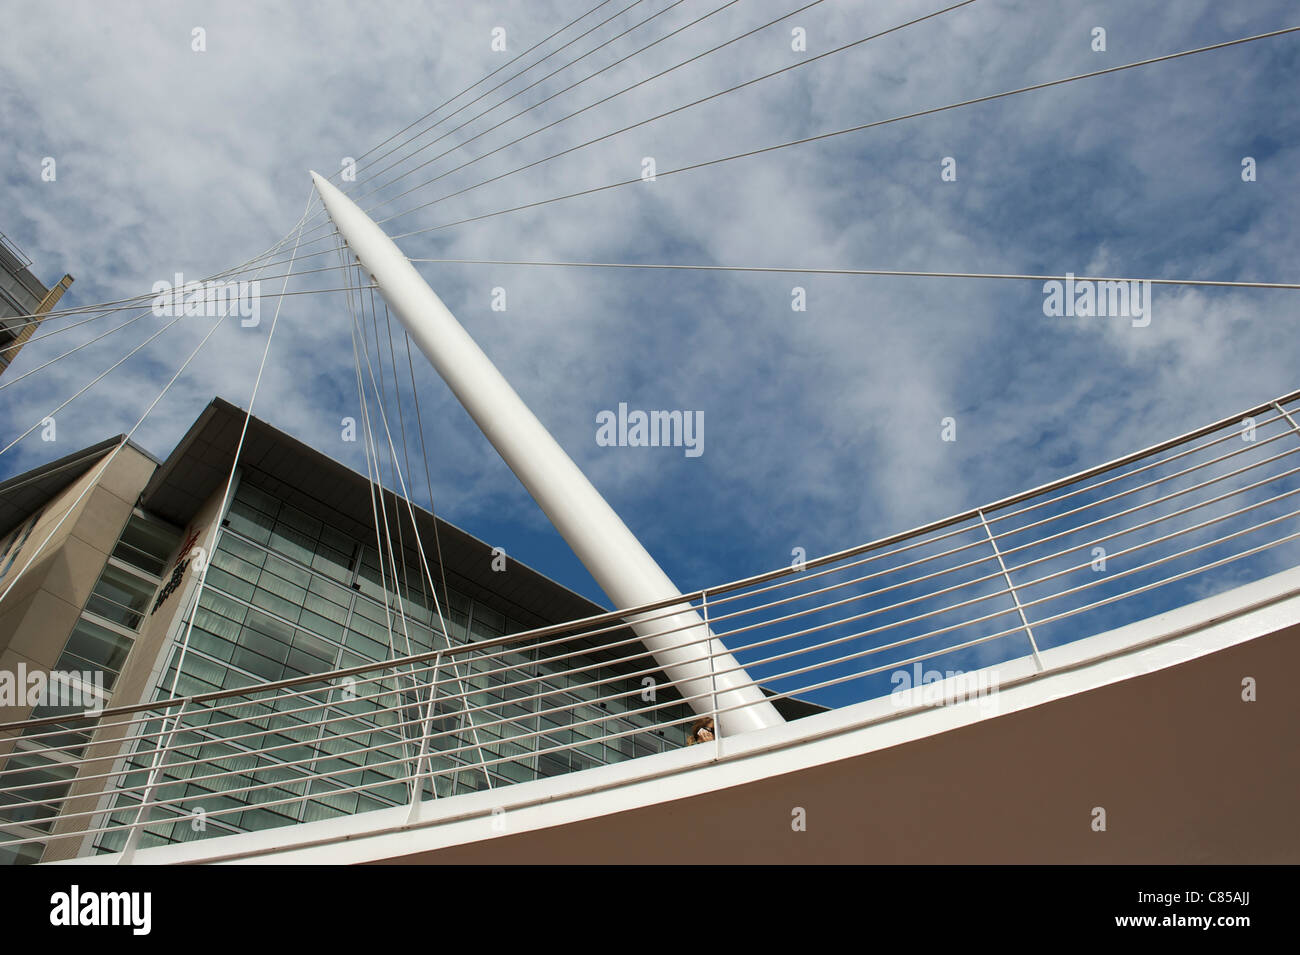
{"x": 56, "y": 509}
{"x": 11, "y": 618}
{"x": 10, "y": 663}
{"x": 69, "y": 564}
{"x": 122, "y": 480}
{"x": 128, "y": 474}
{"x": 52, "y": 524}
{"x": 72, "y": 571}
{"x": 101, "y": 519}
{"x": 24, "y": 579}
{"x": 44, "y": 629}
{"x": 40, "y": 611}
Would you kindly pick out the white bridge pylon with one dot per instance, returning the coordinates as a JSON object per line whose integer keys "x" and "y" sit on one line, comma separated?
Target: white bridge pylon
{"x": 622, "y": 567}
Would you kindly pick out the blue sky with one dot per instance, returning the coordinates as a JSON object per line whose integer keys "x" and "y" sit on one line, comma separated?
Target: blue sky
{"x": 822, "y": 428}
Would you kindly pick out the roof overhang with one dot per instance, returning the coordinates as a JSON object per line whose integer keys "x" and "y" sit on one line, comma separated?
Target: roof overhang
{"x": 282, "y": 465}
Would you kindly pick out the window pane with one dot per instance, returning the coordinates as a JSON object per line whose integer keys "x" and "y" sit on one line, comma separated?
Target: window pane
{"x": 146, "y": 544}
{"x": 243, "y": 569}
{"x": 250, "y": 523}
{"x": 242, "y": 549}
{"x": 228, "y": 582}
{"x": 260, "y": 666}
{"x": 258, "y": 499}
{"x": 120, "y": 597}
{"x": 99, "y": 645}
{"x": 286, "y": 571}
{"x": 321, "y": 649}
{"x": 486, "y": 622}
{"x": 292, "y": 543}
{"x": 333, "y": 563}
{"x": 218, "y": 624}
{"x": 321, "y": 625}
{"x": 324, "y": 608}
{"x": 281, "y": 587}
{"x": 297, "y": 520}
{"x": 276, "y": 604}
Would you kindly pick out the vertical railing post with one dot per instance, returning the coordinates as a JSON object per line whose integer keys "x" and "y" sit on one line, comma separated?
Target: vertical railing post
{"x": 417, "y": 782}
{"x": 145, "y": 811}
{"x": 713, "y": 676}
{"x": 1015, "y": 597}
{"x": 1290, "y": 420}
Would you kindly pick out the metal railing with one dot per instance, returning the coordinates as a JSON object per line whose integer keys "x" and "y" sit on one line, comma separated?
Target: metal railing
{"x": 1119, "y": 542}
{"x": 19, "y": 256}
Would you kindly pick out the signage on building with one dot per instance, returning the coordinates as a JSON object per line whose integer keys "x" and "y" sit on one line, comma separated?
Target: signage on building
{"x": 178, "y": 572}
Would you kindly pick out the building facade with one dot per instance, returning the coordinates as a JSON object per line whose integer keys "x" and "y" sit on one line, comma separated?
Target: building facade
{"x": 297, "y": 585}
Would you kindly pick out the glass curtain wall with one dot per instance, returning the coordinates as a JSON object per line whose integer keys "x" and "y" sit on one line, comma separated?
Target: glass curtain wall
{"x": 287, "y": 596}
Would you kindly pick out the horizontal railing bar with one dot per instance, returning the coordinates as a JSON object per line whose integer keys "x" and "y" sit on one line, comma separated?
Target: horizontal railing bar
{"x": 1025, "y": 604}
{"x": 205, "y": 728}
{"x": 993, "y": 520}
{"x": 215, "y": 739}
{"x": 1005, "y": 591}
{"x": 362, "y": 730}
{"x": 972, "y": 513}
{"x": 164, "y": 705}
{"x": 422, "y": 657}
{"x": 1000, "y": 572}
{"x": 369, "y": 713}
{"x": 394, "y": 781}
{"x": 1162, "y": 462}
{"x": 742, "y": 668}
{"x": 1047, "y": 620}
{"x": 1008, "y": 611}
{"x": 980, "y": 560}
